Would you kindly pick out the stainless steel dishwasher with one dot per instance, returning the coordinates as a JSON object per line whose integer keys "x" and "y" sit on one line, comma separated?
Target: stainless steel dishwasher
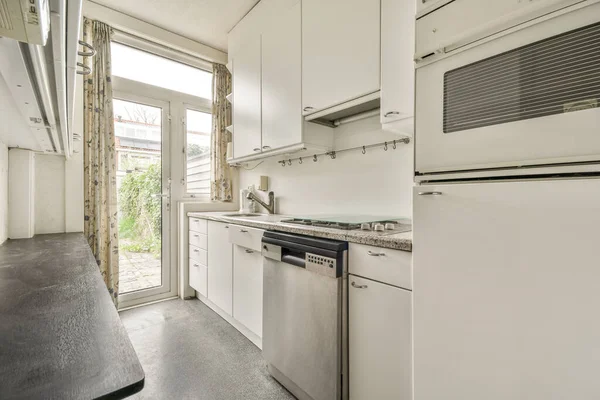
{"x": 305, "y": 314}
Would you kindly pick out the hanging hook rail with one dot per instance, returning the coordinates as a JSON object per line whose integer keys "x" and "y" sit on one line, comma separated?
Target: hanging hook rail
{"x": 333, "y": 154}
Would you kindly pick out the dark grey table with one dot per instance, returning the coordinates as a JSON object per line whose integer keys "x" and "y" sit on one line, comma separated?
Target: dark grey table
{"x": 60, "y": 335}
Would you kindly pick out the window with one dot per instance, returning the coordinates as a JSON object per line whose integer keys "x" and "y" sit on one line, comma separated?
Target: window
{"x": 151, "y": 69}
{"x": 198, "y": 138}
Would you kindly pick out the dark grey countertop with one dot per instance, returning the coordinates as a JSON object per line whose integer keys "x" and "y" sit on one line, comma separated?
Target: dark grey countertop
{"x": 60, "y": 334}
{"x": 399, "y": 241}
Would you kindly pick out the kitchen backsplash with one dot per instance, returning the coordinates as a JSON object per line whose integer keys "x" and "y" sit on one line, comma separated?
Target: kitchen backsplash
{"x": 376, "y": 183}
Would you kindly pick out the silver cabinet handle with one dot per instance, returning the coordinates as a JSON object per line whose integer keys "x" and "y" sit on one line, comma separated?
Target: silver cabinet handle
{"x": 249, "y": 251}
{"x": 387, "y": 114}
{"x": 359, "y": 286}
{"x": 196, "y": 265}
{"x": 257, "y": 149}
{"x": 196, "y": 251}
{"x": 376, "y": 254}
{"x": 266, "y": 147}
{"x": 430, "y": 193}
{"x": 197, "y": 236}
{"x": 308, "y": 108}
{"x": 226, "y": 226}
{"x": 243, "y": 231}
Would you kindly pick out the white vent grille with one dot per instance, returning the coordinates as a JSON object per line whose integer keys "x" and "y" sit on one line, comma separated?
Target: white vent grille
{"x": 556, "y": 75}
{"x": 5, "y": 20}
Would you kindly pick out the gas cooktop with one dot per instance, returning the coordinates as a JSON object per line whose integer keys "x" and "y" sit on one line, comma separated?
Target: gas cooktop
{"x": 388, "y": 225}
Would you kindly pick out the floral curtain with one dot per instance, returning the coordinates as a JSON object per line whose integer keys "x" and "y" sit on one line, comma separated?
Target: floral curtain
{"x": 100, "y": 178}
{"x": 220, "y": 189}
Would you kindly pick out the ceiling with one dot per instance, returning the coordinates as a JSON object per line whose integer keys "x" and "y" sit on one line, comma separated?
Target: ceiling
{"x": 205, "y": 21}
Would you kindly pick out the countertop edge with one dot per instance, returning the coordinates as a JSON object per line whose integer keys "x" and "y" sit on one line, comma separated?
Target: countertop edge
{"x": 399, "y": 241}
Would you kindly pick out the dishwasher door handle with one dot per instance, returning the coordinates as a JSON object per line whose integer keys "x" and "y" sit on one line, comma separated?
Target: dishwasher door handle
{"x": 293, "y": 260}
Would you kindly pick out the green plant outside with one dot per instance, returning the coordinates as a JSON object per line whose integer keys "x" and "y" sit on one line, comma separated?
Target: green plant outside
{"x": 140, "y": 213}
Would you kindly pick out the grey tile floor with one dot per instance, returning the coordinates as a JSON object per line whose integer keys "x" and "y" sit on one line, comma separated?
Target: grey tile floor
{"x": 189, "y": 352}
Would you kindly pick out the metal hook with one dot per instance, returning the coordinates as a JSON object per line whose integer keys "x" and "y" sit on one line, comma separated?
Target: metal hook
{"x": 364, "y": 151}
{"x": 315, "y": 158}
{"x": 300, "y": 160}
{"x": 385, "y": 146}
{"x": 394, "y": 145}
{"x": 290, "y": 161}
{"x": 332, "y": 155}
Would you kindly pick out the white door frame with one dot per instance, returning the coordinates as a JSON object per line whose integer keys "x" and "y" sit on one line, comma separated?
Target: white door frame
{"x": 168, "y": 287}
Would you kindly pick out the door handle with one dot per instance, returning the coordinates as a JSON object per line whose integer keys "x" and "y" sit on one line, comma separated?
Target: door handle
{"x": 387, "y": 114}
{"x": 243, "y": 231}
{"x": 308, "y": 108}
{"x": 197, "y": 236}
{"x": 257, "y": 149}
{"x": 354, "y": 285}
{"x": 376, "y": 254}
{"x": 226, "y": 226}
{"x": 430, "y": 193}
{"x": 196, "y": 265}
{"x": 266, "y": 147}
{"x": 249, "y": 251}
{"x": 196, "y": 251}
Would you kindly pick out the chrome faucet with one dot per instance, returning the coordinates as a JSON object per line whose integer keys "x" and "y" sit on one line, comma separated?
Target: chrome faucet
{"x": 269, "y": 207}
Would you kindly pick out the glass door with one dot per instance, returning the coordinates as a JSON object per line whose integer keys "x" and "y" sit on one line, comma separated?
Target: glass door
{"x": 144, "y": 186}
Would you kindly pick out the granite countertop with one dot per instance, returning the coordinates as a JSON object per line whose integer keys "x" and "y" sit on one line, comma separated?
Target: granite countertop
{"x": 60, "y": 336}
{"x": 398, "y": 241}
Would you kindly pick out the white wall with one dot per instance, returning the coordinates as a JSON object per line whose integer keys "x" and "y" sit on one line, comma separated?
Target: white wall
{"x": 377, "y": 183}
{"x": 3, "y": 192}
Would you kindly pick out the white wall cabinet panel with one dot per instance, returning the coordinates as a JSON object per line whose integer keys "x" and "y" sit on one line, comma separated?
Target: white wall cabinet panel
{"x": 380, "y": 343}
{"x": 281, "y": 80}
{"x": 220, "y": 266}
{"x": 506, "y": 290}
{"x": 340, "y": 51}
{"x": 247, "y": 99}
{"x": 248, "y": 288}
{"x": 397, "y": 65}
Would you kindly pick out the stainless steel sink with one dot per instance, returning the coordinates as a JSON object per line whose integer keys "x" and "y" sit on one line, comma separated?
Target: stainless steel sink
{"x": 242, "y": 215}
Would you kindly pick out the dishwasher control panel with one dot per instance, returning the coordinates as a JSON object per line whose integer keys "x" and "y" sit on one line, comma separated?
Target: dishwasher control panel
{"x": 321, "y": 265}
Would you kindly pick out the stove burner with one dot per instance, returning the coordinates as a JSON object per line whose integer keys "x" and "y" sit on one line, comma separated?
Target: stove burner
{"x": 391, "y": 225}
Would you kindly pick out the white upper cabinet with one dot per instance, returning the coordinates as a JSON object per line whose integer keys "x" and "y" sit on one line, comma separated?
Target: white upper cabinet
{"x": 340, "y": 51}
{"x": 247, "y": 98}
{"x": 397, "y": 65}
{"x": 281, "y": 79}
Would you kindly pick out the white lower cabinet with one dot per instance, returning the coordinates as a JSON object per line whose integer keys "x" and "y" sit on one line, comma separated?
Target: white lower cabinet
{"x": 220, "y": 266}
{"x": 380, "y": 341}
{"x": 248, "y": 288}
{"x": 198, "y": 277}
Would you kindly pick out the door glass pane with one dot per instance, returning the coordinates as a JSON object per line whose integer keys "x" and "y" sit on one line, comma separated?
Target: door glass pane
{"x": 198, "y": 126}
{"x": 138, "y": 137}
{"x": 553, "y": 76}
{"x": 141, "y": 66}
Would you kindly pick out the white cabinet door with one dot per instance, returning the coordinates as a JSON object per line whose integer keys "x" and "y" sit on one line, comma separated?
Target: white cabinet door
{"x": 281, "y": 80}
{"x": 506, "y": 290}
{"x": 220, "y": 266}
{"x": 397, "y": 65}
{"x": 248, "y": 288}
{"x": 340, "y": 51}
{"x": 247, "y": 99}
{"x": 380, "y": 344}
{"x": 198, "y": 277}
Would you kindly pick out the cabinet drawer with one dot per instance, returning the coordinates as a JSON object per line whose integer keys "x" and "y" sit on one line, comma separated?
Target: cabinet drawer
{"x": 199, "y": 240}
{"x": 198, "y": 254}
{"x": 199, "y": 225}
{"x": 249, "y": 238}
{"x": 393, "y": 267}
{"x": 198, "y": 277}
